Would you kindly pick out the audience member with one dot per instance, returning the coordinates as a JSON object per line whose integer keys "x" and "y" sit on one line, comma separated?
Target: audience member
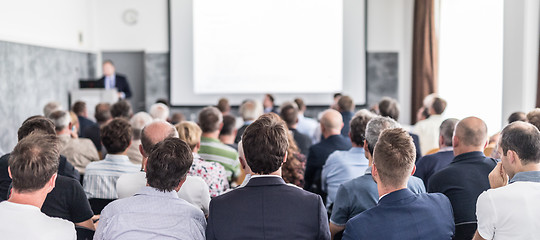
{"x": 177, "y": 117}
{"x": 428, "y": 129}
{"x": 224, "y": 106}
{"x": 331, "y": 125}
{"x": 393, "y": 164}
{"x": 249, "y": 111}
{"x": 533, "y": 117}
{"x": 294, "y": 167}
{"x": 212, "y": 173}
{"x": 79, "y": 108}
{"x": 285, "y": 212}
{"x": 103, "y": 116}
{"x": 430, "y": 164}
{"x": 306, "y": 126}
{"x": 517, "y": 116}
{"x": 343, "y": 166}
{"x": 33, "y": 165}
{"x": 360, "y": 194}
{"x": 289, "y": 114}
{"x": 138, "y": 121}
{"x": 227, "y": 135}
{"x": 164, "y": 101}
{"x": 336, "y": 98}
{"x": 101, "y": 176}
{"x": 466, "y": 176}
{"x": 156, "y": 212}
{"x": 509, "y": 209}
{"x": 122, "y": 109}
{"x": 268, "y": 104}
{"x": 159, "y": 111}
{"x": 75, "y": 125}
{"x": 346, "y": 108}
{"x": 78, "y": 151}
{"x": 51, "y": 107}
{"x": 211, "y": 122}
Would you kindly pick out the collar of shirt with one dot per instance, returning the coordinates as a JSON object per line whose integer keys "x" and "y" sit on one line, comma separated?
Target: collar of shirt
{"x": 150, "y": 191}
{"x": 467, "y": 156}
{"x": 446, "y": 149}
{"x": 357, "y": 150}
{"x": 368, "y": 171}
{"x": 383, "y": 195}
{"x": 196, "y": 156}
{"x": 117, "y": 158}
{"x": 258, "y": 176}
{"x": 207, "y": 139}
{"x": 530, "y": 176}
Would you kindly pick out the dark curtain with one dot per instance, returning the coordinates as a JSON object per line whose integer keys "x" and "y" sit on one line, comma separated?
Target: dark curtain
{"x": 425, "y": 54}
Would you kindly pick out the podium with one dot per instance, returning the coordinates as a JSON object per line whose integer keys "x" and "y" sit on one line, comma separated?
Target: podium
{"x": 93, "y": 96}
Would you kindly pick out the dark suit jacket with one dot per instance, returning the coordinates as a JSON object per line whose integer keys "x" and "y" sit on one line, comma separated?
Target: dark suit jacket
{"x": 302, "y": 141}
{"x": 416, "y": 142}
{"x": 92, "y": 132}
{"x": 347, "y": 116}
{"x": 267, "y": 208}
{"x": 121, "y": 83}
{"x": 317, "y": 156}
{"x": 404, "y": 215}
{"x": 430, "y": 164}
{"x": 83, "y": 124}
{"x": 240, "y": 132}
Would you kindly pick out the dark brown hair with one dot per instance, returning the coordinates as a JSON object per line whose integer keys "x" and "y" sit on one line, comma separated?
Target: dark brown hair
{"x": 522, "y": 138}
{"x": 209, "y": 119}
{"x": 394, "y": 156}
{"x": 358, "y": 126}
{"x": 229, "y": 123}
{"x": 345, "y": 103}
{"x": 103, "y": 112}
{"x": 168, "y": 164}
{"x": 36, "y": 123}
{"x": 79, "y": 107}
{"x": 223, "y": 105}
{"x": 289, "y": 114}
{"x": 121, "y": 109}
{"x": 116, "y": 135}
{"x": 389, "y": 107}
{"x": 438, "y": 105}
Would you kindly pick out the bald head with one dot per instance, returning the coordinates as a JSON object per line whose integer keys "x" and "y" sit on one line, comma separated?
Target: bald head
{"x": 471, "y": 132}
{"x": 331, "y": 121}
{"x": 154, "y": 133}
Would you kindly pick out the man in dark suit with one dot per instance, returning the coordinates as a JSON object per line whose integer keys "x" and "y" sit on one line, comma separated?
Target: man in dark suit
{"x": 400, "y": 214}
{"x": 331, "y": 125}
{"x": 111, "y": 79}
{"x": 267, "y": 208}
{"x": 346, "y": 107}
{"x": 79, "y": 108}
{"x": 467, "y": 176}
{"x": 289, "y": 114}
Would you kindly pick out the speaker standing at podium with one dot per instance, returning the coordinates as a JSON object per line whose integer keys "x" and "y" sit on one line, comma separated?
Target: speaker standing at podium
{"x": 111, "y": 80}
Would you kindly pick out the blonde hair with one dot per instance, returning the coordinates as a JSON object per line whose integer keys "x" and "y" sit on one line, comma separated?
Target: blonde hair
{"x": 189, "y": 132}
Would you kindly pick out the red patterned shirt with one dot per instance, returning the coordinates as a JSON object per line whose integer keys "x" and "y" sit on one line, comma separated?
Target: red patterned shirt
{"x": 213, "y": 174}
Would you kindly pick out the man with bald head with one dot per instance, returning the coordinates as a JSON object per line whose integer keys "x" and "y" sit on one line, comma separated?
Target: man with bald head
{"x": 331, "y": 125}
{"x": 466, "y": 177}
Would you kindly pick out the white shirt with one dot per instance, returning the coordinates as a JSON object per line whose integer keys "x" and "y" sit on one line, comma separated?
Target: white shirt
{"x": 428, "y": 132}
{"x": 309, "y": 127}
{"x": 194, "y": 190}
{"x": 22, "y": 222}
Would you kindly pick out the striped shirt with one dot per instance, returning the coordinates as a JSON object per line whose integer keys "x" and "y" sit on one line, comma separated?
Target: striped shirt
{"x": 101, "y": 176}
{"x": 215, "y": 151}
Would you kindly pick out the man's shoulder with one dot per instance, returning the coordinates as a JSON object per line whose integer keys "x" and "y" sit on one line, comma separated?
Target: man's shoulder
{"x": 282, "y": 189}
{"x": 336, "y": 156}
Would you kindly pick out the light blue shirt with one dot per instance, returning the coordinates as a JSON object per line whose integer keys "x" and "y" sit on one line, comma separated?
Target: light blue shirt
{"x": 101, "y": 176}
{"x": 151, "y": 214}
{"x": 308, "y": 126}
{"x": 110, "y": 82}
{"x": 341, "y": 167}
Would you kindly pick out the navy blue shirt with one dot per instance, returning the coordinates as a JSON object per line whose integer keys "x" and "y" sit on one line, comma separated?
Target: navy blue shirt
{"x": 430, "y": 164}
{"x": 347, "y": 116}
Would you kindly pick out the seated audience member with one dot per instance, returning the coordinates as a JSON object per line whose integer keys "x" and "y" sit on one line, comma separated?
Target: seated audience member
{"x": 509, "y": 210}
{"x": 249, "y": 111}
{"x": 285, "y": 212}
{"x": 51, "y": 107}
{"x": 211, "y": 172}
{"x": 289, "y": 114}
{"x": 33, "y": 165}
{"x": 156, "y": 212}
{"x": 224, "y": 106}
{"x": 533, "y": 117}
{"x": 343, "y": 166}
{"x": 122, "y": 109}
{"x": 245, "y": 167}
{"x": 103, "y": 116}
{"x": 428, "y": 129}
{"x": 228, "y": 131}
{"x": 517, "y": 116}
{"x": 177, "y": 117}
{"x": 79, "y": 108}
{"x": 269, "y": 105}
{"x": 306, "y": 126}
{"x": 194, "y": 190}
{"x": 100, "y": 178}
{"x": 393, "y": 217}
{"x": 466, "y": 177}
{"x": 76, "y": 126}
{"x": 346, "y": 108}
{"x": 389, "y": 107}
{"x": 360, "y": 194}
{"x": 294, "y": 167}
{"x": 331, "y": 124}
{"x": 138, "y": 121}
{"x": 37, "y": 124}
{"x": 430, "y": 164}
{"x": 78, "y": 151}
{"x": 159, "y": 111}
{"x": 336, "y": 98}
{"x": 211, "y": 122}
{"x": 494, "y": 139}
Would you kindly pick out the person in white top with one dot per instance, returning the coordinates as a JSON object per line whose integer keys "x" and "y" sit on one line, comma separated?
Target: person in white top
{"x": 510, "y": 210}
{"x": 33, "y": 166}
{"x": 428, "y": 129}
{"x": 307, "y": 126}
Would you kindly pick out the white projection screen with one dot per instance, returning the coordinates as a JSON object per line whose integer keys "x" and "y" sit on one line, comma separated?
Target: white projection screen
{"x": 243, "y": 49}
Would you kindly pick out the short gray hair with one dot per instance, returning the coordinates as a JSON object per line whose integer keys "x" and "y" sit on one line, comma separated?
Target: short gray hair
{"x": 60, "y": 119}
{"x": 159, "y": 111}
{"x": 51, "y": 107}
{"x": 138, "y": 121}
{"x": 446, "y": 130}
{"x": 250, "y": 110}
{"x": 374, "y": 128}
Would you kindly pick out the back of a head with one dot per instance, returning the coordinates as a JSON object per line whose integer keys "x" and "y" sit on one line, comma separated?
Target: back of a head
{"x": 358, "y": 126}
{"x": 471, "y": 131}
{"x": 517, "y": 116}
{"x": 300, "y": 103}
{"x": 389, "y": 107}
{"x": 289, "y": 114}
{"x": 34, "y": 161}
{"x": 346, "y": 104}
{"x": 229, "y": 123}
{"x": 138, "y": 121}
{"x": 332, "y": 120}
{"x": 121, "y": 109}
{"x": 61, "y": 120}
{"x": 533, "y": 117}
{"x": 209, "y": 119}
{"x": 223, "y": 105}
{"x": 177, "y": 117}
{"x": 168, "y": 164}
{"x": 522, "y": 138}
{"x": 156, "y": 132}
{"x": 116, "y": 135}
{"x": 394, "y": 157}
{"x": 374, "y": 128}
{"x": 189, "y": 132}
{"x": 79, "y": 108}
{"x": 38, "y": 124}
{"x": 250, "y": 110}
{"x": 159, "y": 111}
{"x": 438, "y": 105}
{"x": 51, "y": 107}
{"x": 446, "y": 130}
{"x": 265, "y": 144}
{"x": 103, "y": 112}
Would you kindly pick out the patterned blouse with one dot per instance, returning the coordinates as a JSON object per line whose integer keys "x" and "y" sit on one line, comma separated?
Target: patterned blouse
{"x": 212, "y": 173}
